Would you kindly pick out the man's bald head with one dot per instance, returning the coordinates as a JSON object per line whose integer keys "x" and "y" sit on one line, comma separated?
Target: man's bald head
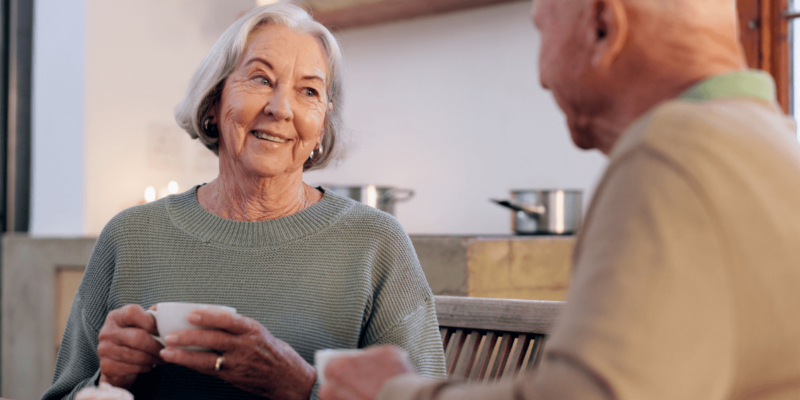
{"x": 690, "y": 10}
{"x": 601, "y": 58}
{"x": 714, "y": 17}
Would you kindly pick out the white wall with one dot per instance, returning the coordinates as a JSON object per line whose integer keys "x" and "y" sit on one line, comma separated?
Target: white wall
{"x": 57, "y": 183}
{"x": 451, "y": 106}
{"x": 139, "y": 59}
{"x": 447, "y": 105}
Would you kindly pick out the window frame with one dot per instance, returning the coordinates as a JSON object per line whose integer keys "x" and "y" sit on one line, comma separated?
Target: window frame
{"x": 764, "y": 33}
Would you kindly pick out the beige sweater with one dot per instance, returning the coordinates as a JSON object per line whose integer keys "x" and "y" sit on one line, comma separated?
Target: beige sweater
{"x": 686, "y": 283}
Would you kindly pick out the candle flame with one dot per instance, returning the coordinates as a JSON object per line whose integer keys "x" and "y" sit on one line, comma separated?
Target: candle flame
{"x": 149, "y": 194}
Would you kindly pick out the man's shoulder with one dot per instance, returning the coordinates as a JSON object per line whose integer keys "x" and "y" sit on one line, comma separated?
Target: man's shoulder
{"x": 719, "y": 131}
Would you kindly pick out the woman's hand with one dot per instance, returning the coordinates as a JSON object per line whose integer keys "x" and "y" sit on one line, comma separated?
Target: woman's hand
{"x": 125, "y": 346}
{"x": 361, "y": 377}
{"x": 254, "y": 360}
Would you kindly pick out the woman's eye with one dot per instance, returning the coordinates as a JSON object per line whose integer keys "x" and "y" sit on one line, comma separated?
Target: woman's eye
{"x": 263, "y": 81}
{"x": 310, "y": 92}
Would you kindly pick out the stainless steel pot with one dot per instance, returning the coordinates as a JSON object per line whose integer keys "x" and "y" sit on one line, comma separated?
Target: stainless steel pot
{"x": 545, "y": 212}
{"x": 381, "y": 197}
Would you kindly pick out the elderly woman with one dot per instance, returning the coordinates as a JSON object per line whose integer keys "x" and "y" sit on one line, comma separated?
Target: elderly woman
{"x": 305, "y": 268}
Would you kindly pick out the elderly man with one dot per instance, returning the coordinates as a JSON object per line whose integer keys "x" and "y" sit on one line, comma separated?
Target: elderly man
{"x": 686, "y": 280}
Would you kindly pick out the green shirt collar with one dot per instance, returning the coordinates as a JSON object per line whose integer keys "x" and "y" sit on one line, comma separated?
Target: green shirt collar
{"x": 752, "y": 83}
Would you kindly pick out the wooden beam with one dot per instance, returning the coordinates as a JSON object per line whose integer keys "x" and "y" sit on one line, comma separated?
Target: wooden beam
{"x": 363, "y": 13}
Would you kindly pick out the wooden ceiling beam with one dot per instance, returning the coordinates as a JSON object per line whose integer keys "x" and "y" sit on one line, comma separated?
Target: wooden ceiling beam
{"x": 376, "y": 12}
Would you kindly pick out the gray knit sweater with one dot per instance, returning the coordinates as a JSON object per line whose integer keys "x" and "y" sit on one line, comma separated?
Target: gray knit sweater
{"x": 336, "y": 275}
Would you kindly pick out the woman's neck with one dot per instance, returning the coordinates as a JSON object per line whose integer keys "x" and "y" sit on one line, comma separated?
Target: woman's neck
{"x": 249, "y": 198}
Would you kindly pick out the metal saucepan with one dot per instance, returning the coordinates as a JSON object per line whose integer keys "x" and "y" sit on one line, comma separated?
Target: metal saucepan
{"x": 381, "y": 197}
{"x": 545, "y": 212}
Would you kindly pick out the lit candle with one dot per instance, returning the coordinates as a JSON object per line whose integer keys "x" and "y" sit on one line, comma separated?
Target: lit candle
{"x": 149, "y": 194}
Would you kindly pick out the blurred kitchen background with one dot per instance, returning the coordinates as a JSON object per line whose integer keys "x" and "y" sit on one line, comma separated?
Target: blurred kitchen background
{"x": 448, "y": 105}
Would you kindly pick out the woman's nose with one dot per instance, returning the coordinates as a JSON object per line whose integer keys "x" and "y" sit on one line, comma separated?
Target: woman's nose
{"x": 279, "y": 105}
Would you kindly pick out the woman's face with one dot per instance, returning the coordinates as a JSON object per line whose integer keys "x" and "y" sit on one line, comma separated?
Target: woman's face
{"x": 272, "y": 109}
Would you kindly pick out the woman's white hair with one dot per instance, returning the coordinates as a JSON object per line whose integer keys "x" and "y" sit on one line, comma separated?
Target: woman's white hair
{"x": 206, "y": 85}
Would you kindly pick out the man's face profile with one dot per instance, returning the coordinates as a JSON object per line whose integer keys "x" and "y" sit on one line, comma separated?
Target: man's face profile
{"x": 563, "y": 62}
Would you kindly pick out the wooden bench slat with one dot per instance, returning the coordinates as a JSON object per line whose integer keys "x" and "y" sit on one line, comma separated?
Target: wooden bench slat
{"x": 518, "y": 354}
{"x": 454, "y": 350}
{"x": 446, "y": 332}
{"x": 528, "y": 354}
{"x": 536, "y": 354}
{"x": 507, "y": 341}
{"x": 528, "y": 316}
{"x": 484, "y": 356}
{"x": 509, "y": 366}
{"x": 467, "y": 356}
{"x": 494, "y": 353}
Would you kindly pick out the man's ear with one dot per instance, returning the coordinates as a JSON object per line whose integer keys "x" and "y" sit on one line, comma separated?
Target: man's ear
{"x": 609, "y": 21}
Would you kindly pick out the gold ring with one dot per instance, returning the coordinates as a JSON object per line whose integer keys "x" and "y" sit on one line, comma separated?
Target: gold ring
{"x": 218, "y": 365}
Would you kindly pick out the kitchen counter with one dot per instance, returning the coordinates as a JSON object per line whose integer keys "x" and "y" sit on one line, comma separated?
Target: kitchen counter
{"x": 505, "y": 266}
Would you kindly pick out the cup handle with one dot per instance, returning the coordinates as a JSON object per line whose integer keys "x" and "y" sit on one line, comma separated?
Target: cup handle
{"x": 157, "y": 339}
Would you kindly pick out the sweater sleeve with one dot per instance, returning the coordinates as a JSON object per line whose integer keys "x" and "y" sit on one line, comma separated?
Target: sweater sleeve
{"x": 418, "y": 334}
{"x": 77, "y": 364}
{"x": 402, "y": 312}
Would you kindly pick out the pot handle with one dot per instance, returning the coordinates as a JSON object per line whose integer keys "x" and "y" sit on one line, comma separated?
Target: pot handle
{"x": 532, "y": 210}
{"x": 399, "y": 194}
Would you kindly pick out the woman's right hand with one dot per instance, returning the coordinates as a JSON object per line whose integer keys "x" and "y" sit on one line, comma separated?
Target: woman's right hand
{"x": 126, "y": 348}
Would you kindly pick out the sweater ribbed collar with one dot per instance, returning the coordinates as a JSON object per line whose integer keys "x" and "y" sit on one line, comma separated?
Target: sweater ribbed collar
{"x": 188, "y": 215}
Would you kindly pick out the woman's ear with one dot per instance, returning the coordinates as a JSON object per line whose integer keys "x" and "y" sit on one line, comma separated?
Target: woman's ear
{"x": 212, "y": 112}
{"x": 609, "y": 31}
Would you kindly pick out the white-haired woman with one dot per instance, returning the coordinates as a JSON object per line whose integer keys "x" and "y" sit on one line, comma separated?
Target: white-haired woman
{"x": 305, "y": 269}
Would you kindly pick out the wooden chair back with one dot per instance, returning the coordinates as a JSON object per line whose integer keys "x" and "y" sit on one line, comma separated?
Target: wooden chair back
{"x": 490, "y": 339}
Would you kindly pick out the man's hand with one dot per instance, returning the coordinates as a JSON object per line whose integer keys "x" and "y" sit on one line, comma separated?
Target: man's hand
{"x": 361, "y": 377}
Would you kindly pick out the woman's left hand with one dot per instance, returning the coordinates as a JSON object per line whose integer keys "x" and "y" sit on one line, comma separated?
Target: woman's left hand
{"x": 254, "y": 360}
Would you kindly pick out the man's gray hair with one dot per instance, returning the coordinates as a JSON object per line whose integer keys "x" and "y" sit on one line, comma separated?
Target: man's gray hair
{"x": 206, "y": 85}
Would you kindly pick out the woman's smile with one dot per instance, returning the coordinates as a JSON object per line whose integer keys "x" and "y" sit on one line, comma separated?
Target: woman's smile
{"x": 261, "y": 135}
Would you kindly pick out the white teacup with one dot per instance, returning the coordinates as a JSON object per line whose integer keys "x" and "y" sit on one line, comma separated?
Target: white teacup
{"x": 321, "y": 358}
{"x": 103, "y": 392}
{"x": 171, "y": 317}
